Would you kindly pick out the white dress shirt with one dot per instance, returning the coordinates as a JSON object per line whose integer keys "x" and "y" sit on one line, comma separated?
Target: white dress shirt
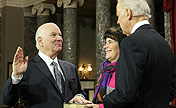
{"x": 49, "y": 61}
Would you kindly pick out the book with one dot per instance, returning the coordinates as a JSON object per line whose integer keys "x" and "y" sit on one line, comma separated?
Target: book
{"x": 74, "y": 105}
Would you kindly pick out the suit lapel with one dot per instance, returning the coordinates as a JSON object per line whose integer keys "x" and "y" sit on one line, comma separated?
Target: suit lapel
{"x": 41, "y": 65}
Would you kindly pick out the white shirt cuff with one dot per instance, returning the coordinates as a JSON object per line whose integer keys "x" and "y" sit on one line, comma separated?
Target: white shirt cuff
{"x": 15, "y": 80}
{"x": 80, "y": 95}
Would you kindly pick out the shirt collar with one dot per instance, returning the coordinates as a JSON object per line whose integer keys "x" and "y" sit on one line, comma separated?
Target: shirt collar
{"x": 138, "y": 24}
{"x": 47, "y": 59}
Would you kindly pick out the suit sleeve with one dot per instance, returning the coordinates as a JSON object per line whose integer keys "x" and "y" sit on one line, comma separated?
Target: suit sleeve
{"x": 12, "y": 92}
{"x": 129, "y": 72}
{"x": 172, "y": 91}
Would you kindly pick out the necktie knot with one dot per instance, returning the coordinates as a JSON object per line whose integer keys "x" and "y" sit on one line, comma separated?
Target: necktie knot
{"x": 54, "y": 63}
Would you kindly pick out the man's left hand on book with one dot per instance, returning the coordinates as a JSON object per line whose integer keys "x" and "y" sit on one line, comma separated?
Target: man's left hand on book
{"x": 79, "y": 99}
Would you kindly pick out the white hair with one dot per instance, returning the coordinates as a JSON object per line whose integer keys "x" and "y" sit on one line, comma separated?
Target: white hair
{"x": 42, "y": 31}
{"x": 138, "y": 7}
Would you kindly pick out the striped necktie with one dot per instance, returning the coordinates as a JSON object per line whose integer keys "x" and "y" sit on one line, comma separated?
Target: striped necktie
{"x": 59, "y": 78}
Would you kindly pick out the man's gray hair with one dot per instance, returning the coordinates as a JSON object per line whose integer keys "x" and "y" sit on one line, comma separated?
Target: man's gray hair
{"x": 138, "y": 7}
{"x": 41, "y": 32}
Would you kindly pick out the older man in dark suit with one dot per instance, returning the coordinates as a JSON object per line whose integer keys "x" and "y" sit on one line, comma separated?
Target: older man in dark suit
{"x": 146, "y": 63}
{"x": 45, "y": 81}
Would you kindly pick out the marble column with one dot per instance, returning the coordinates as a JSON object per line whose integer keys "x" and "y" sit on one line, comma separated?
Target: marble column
{"x": 30, "y": 27}
{"x": 70, "y": 33}
{"x": 70, "y": 29}
{"x": 152, "y": 12}
{"x": 103, "y": 21}
{"x": 43, "y": 12}
{"x": 0, "y": 42}
{"x": 167, "y": 28}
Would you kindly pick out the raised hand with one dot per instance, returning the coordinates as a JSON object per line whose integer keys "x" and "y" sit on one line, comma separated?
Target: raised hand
{"x": 19, "y": 63}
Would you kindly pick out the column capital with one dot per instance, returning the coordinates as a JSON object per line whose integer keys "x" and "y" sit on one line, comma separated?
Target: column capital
{"x": 43, "y": 9}
{"x": 69, "y": 3}
{"x": 27, "y": 11}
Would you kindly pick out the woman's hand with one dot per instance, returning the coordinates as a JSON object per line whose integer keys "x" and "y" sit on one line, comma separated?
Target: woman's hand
{"x": 92, "y": 105}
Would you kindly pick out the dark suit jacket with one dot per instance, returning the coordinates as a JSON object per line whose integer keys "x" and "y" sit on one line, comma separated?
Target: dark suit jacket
{"x": 38, "y": 86}
{"x": 144, "y": 72}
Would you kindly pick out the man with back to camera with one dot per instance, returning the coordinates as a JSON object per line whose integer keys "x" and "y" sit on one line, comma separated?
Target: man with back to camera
{"x": 36, "y": 81}
{"x": 146, "y": 62}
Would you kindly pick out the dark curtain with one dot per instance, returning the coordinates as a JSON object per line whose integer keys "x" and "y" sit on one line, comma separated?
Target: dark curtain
{"x": 170, "y": 6}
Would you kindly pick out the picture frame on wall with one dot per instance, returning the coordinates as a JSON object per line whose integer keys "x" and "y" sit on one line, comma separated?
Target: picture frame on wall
{"x": 9, "y": 70}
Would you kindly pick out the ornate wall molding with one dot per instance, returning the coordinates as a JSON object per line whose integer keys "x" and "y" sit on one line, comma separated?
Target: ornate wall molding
{"x": 19, "y": 3}
{"x": 32, "y": 2}
{"x": 42, "y": 7}
{"x": 69, "y": 3}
